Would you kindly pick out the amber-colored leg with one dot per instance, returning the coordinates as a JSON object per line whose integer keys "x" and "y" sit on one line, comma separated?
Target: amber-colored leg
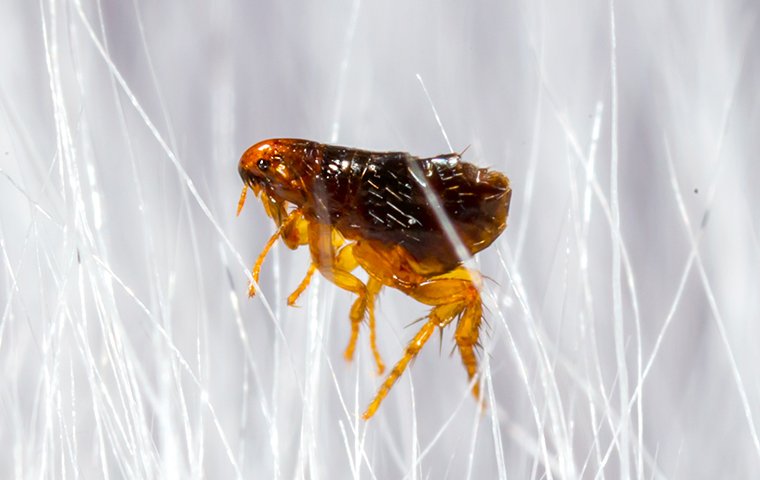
{"x": 412, "y": 350}
{"x": 452, "y": 295}
{"x": 346, "y": 261}
{"x": 336, "y": 267}
{"x": 466, "y": 337}
{"x": 460, "y": 287}
{"x": 373, "y": 289}
{"x": 292, "y": 231}
{"x": 259, "y": 261}
{"x": 293, "y": 297}
{"x": 295, "y": 230}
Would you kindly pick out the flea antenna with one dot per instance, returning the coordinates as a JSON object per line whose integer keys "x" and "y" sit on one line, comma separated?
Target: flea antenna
{"x": 241, "y": 202}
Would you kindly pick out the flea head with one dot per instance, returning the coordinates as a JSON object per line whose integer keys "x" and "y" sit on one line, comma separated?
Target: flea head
{"x": 273, "y": 168}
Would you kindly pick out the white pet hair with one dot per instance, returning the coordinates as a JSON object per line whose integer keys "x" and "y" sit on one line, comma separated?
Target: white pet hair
{"x": 622, "y": 333}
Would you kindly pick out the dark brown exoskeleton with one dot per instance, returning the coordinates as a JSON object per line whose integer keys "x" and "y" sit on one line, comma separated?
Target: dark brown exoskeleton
{"x": 408, "y": 222}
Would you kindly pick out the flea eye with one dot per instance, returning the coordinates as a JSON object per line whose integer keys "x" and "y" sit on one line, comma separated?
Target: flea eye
{"x": 262, "y": 164}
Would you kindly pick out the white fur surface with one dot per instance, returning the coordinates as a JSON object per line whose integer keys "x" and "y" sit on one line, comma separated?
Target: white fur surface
{"x": 623, "y": 331}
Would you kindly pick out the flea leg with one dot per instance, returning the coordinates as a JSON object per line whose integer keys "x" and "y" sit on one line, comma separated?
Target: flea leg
{"x": 293, "y": 297}
{"x": 347, "y": 261}
{"x": 337, "y": 267}
{"x": 452, "y": 295}
{"x": 373, "y": 288}
{"x": 466, "y": 337}
{"x": 294, "y": 234}
{"x": 295, "y": 231}
{"x": 459, "y": 290}
{"x": 259, "y": 261}
{"x": 411, "y": 351}
{"x": 289, "y": 224}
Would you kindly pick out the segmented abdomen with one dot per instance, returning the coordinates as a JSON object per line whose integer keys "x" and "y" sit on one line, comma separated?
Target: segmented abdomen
{"x": 382, "y": 197}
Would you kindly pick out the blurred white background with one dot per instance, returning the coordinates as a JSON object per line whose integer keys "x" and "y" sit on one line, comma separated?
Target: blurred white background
{"x": 623, "y": 332}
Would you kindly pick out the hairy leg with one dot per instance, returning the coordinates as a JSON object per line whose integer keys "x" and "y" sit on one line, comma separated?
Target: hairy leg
{"x": 336, "y": 266}
{"x": 288, "y": 231}
{"x": 293, "y": 297}
{"x": 373, "y": 289}
{"x": 452, "y": 295}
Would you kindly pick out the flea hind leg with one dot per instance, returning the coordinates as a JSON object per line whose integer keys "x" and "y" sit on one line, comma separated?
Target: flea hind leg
{"x": 412, "y": 349}
{"x": 452, "y": 295}
{"x": 466, "y": 336}
{"x": 457, "y": 294}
